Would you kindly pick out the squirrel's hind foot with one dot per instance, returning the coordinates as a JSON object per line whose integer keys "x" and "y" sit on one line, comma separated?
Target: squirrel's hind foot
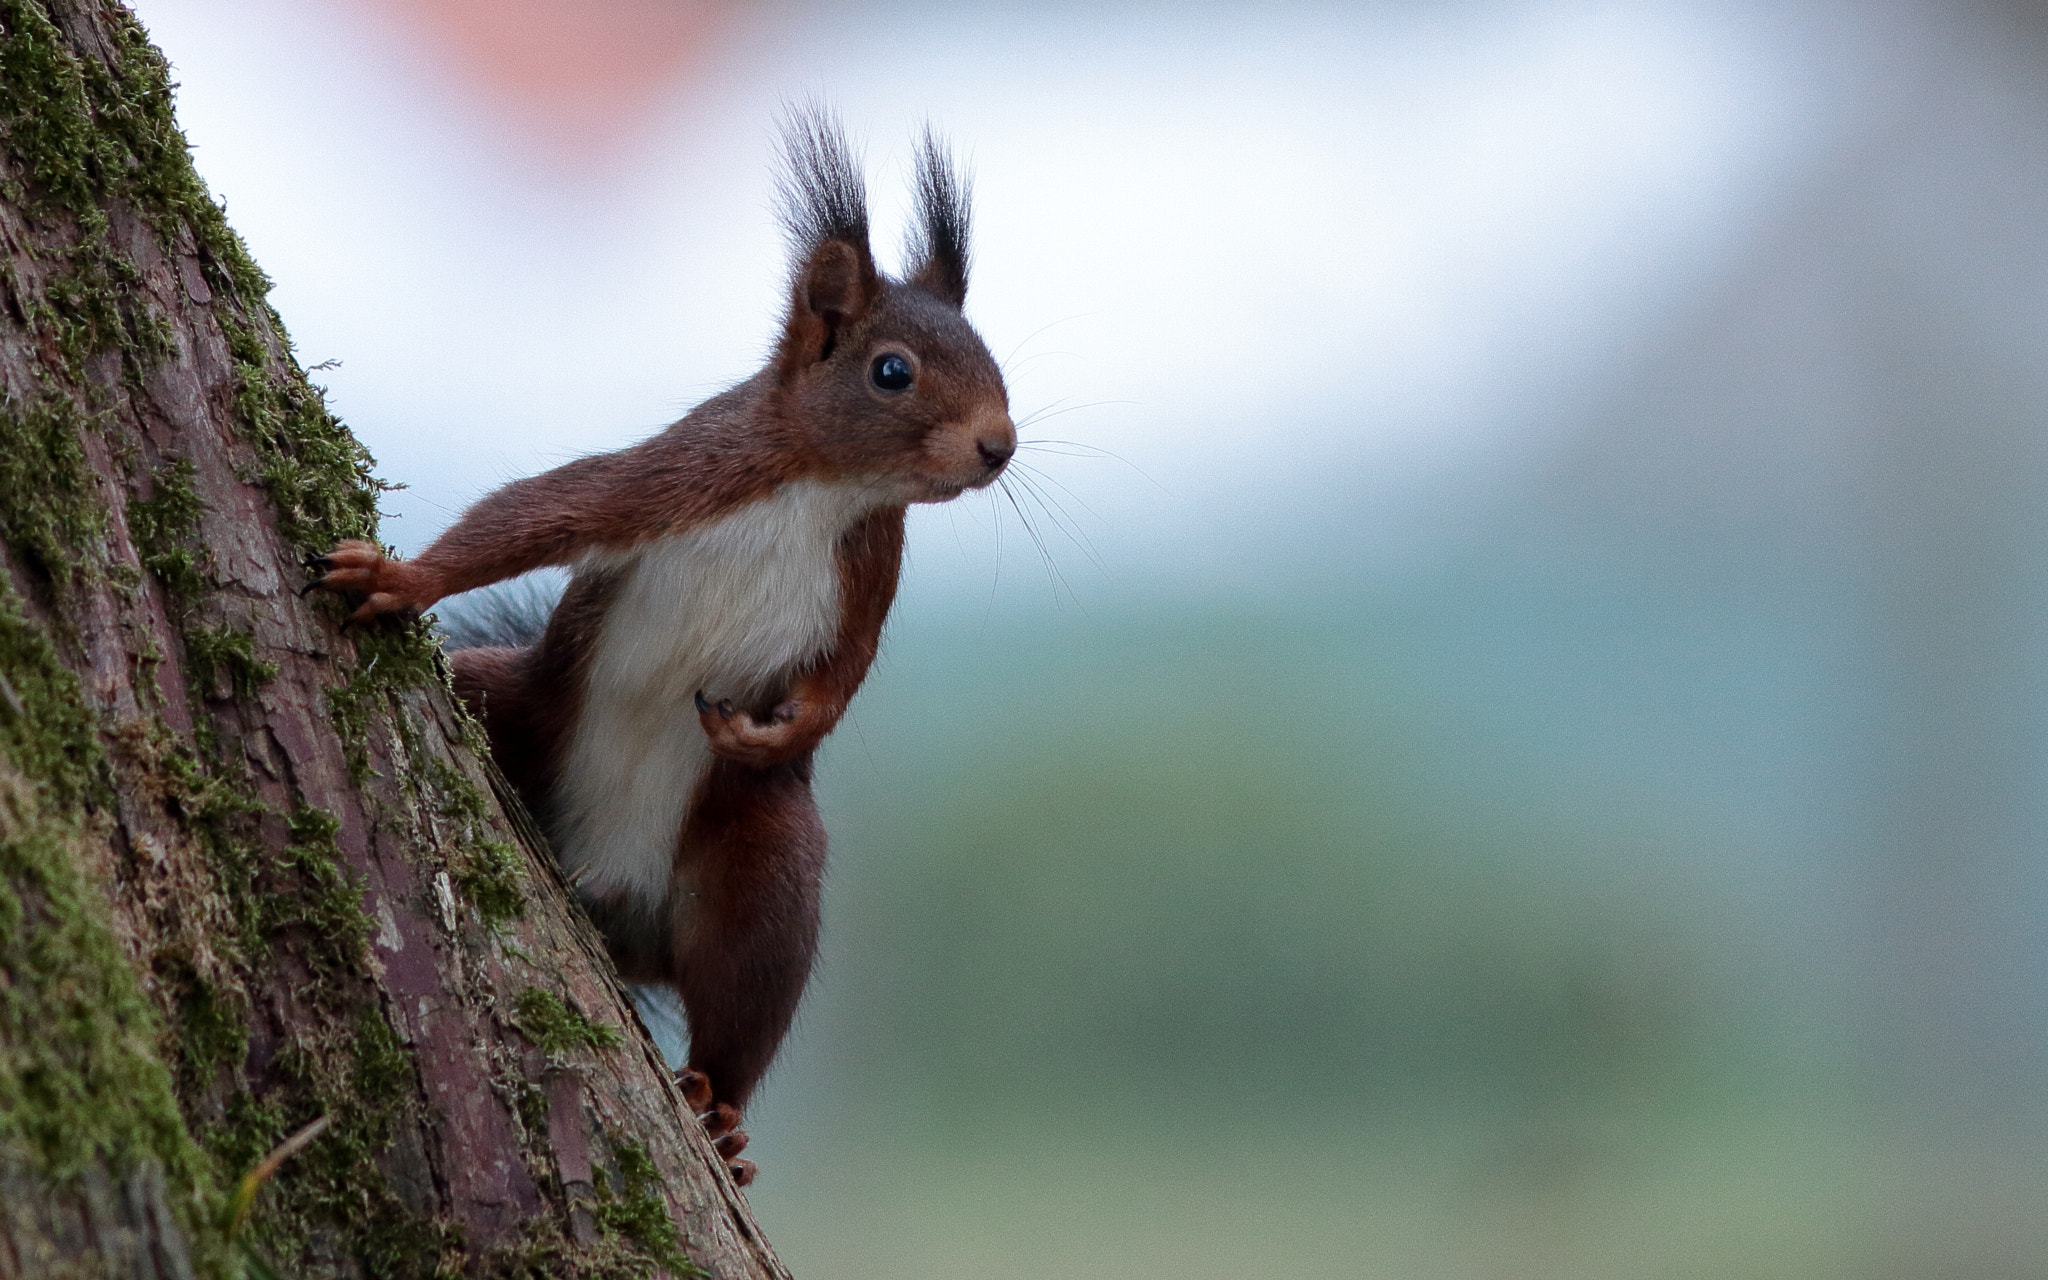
{"x": 721, "y": 1121}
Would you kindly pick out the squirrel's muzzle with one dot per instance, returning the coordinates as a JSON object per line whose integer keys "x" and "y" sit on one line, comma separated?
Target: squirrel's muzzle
{"x": 970, "y": 454}
{"x": 995, "y": 442}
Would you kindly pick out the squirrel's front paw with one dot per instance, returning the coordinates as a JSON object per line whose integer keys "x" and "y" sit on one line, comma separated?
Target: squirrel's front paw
{"x": 387, "y": 585}
{"x": 737, "y": 736}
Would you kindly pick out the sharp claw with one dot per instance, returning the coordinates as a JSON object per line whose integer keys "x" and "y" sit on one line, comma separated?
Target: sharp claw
{"x": 308, "y": 588}
{"x": 322, "y": 563}
{"x": 725, "y": 708}
{"x": 703, "y": 703}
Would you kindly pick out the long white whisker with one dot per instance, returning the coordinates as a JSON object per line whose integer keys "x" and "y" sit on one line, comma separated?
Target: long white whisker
{"x": 1062, "y": 521}
{"x": 1052, "y": 569}
{"x": 1047, "y": 477}
{"x": 1054, "y": 410}
{"x": 1079, "y": 315}
{"x": 1041, "y": 411}
{"x": 1091, "y": 451}
{"x": 995, "y": 578}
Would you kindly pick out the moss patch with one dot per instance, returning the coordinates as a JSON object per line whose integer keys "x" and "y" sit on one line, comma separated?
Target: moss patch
{"x": 85, "y": 133}
{"x": 319, "y": 477}
{"x": 165, "y": 526}
{"x": 543, "y": 1018}
{"x": 634, "y": 1213}
{"x": 80, "y": 1079}
{"x": 490, "y": 873}
{"x": 391, "y": 657}
{"x": 327, "y": 902}
{"x": 224, "y": 653}
{"x": 51, "y": 512}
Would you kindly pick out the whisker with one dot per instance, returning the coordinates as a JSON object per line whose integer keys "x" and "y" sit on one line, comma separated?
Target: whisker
{"x": 1053, "y": 564}
{"x": 1090, "y": 451}
{"x": 995, "y": 579}
{"x": 1079, "y": 315}
{"x": 1053, "y": 574}
{"x": 1063, "y": 521}
{"x": 1041, "y": 411}
{"x": 1054, "y": 410}
{"x": 1047, "y": 477}
{"x": 1010, "y": 367}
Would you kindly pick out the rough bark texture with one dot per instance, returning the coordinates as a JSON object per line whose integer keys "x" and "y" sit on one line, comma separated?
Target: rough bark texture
{"x": 252, "y": 871}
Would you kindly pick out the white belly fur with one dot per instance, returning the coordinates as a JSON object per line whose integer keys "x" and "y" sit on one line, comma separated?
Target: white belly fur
{"x": 730, "y": 609}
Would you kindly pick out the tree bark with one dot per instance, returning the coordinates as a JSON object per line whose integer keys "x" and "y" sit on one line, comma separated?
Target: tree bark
{"x": 253, "y": 871}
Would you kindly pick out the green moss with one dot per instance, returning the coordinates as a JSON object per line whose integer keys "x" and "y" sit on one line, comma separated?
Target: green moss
{"x": 342, "y": 1058}
{"x": 50, "y": 509}
{"x": 223, "y": 651}
{"x": 225, "y": 819}
{"x": 80, "y": 1079}
{"x": 93, "y": 307}
{"x": 46, "y": 729}
{"x": 211, "y": 1021}
{"x": 542, "y": 1018}
{"x": 165, "y": 526}
{"x": 328, "y": 902}
{"x": 490, "y": 873}
{"x": 49, "y": 125}
{"x": 85, "y": 133}
{"x": 490, "y": 877}
{"x": 635, "y": 1213}
{"x": 319, "y": 477}
{"x": 390, "y": 657}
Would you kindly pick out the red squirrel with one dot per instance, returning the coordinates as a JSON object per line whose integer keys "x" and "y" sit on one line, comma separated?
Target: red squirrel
{"x": 731, "y": 577}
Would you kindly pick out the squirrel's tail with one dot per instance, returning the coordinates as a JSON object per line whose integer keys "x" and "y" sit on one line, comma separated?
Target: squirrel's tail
{"x": 512, "y": 614}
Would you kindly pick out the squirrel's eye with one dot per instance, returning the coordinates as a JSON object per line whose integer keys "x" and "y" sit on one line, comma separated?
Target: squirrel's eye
{"x": 890, "y": 373}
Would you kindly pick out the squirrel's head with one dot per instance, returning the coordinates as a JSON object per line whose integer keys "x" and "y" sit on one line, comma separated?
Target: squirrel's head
{"x": 882, "y": 380}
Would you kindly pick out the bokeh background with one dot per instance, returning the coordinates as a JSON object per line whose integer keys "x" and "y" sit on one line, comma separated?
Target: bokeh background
{"x": 1503, "y": 730}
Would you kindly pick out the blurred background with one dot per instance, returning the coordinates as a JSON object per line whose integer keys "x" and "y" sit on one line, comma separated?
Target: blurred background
{"x": 1501, "y": 731}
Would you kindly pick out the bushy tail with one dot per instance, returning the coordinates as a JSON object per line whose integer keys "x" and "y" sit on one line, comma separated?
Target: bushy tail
{"x": 512, "y": 614}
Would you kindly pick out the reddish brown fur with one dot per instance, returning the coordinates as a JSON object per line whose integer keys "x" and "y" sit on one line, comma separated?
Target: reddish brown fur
{"x": 738, "y": 930}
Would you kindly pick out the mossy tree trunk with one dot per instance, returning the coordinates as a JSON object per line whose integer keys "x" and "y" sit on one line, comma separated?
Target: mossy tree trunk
{"x": 252, "y": 871}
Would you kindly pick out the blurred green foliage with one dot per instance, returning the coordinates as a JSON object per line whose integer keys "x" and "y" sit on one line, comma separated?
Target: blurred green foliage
{"x": 1212, "y": 859}
{"x": 1208, "y": 944}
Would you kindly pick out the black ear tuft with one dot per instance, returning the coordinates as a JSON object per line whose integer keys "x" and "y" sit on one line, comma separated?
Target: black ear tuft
{"x": 825, "y": 212}
{"x": 823, "y": 194}
{"x": 939, "y": 247}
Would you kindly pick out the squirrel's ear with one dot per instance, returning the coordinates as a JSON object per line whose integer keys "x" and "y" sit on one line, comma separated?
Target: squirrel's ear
{"x": 834, "y": 288}
{"x": 825, "y": 212}
{"x": 939, "y": 246}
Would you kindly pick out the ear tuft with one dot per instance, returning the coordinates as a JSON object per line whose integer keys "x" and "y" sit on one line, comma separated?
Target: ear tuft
{"x": 823, "y": 194}
{"x": 939, "y": 246}
{"x": 824, "y": 210}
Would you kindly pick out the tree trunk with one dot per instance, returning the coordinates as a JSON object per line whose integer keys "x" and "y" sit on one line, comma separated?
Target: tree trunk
{"x": 252, "y": 871}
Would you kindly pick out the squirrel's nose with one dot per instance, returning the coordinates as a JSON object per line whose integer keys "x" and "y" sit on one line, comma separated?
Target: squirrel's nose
{"x": 996, "y": 443}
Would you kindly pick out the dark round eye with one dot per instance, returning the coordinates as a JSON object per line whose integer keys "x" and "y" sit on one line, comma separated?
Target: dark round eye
{"x": 890, "y": 373}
